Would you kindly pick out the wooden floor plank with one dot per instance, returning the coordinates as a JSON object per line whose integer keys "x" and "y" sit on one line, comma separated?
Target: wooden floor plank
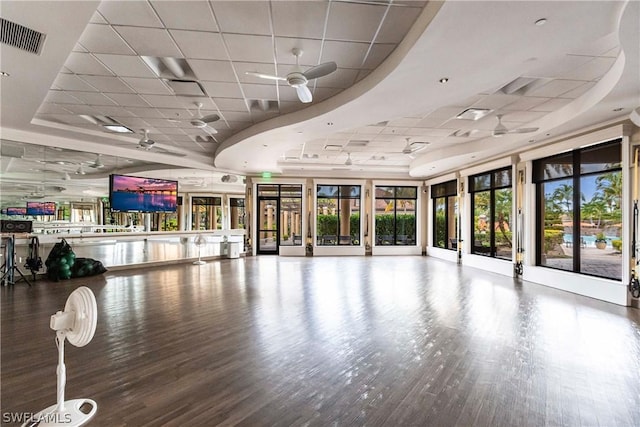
{"x": 327, "y": 341}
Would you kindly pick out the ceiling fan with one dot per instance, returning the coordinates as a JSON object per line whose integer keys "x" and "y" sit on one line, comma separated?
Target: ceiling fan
{"x": 348, "y": 162}
{"x": 501, "y": 129}
{"x": 298, "y": 79}
{"x": 147, "y": 144}
{"x": 97, "y": 163}
{"x": 413, "y": 147}
{"x": 200, "y": 121}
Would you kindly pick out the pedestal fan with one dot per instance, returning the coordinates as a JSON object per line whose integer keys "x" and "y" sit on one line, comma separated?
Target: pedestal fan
{"x": 77, "y": 324}
{"x": 199, "y": 241}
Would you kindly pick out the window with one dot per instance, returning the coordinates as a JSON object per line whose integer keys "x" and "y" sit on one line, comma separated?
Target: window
{"x": 492, "y": 205}
{"x": 237, "y": 212}
{"x": 283, "y": 214}
{"x": 395, "y": 219}
{"x": 579, "y": 212}
{"x": 445, "y": 213}
{"x": 338, "y": 215}
{"x": 206, "y": 213}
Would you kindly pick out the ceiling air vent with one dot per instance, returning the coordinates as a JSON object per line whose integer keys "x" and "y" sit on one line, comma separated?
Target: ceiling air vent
{"x": 19, "y": 36}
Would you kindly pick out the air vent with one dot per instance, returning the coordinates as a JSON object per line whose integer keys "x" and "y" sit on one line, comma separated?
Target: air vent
{"x": 358, "y": 143}
{"x": 523, "y": 85}
{"x": 186, "y": 87}
{"x": 19, "y": 36}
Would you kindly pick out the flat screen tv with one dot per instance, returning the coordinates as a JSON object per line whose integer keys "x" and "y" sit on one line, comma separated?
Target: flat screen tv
{"x": 137, "y": 194}
{"x": 41, "y": 208}
{"x": 14, "y": 211}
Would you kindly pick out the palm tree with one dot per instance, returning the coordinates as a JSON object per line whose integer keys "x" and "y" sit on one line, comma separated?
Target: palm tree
{"x": 563, "y": 196}
{"x": 610, "y": 186}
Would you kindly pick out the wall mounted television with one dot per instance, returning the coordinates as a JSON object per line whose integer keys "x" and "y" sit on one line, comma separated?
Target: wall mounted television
{"x": 41, "y": 208}
{"x": 138, "y": 194}
{"x": 15, "y": 211}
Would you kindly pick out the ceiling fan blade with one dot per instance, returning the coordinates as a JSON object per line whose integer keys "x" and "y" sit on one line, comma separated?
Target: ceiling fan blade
{"x": 264, "y": 76}
{"x": 304, "y": 94}
{"x": 211, "y": 118}
{"x": 320, "y": 70}
{"x": 523, "y": 130}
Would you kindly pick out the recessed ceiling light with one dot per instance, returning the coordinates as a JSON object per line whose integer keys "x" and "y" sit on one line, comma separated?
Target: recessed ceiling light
{"x": 532, "y": 140}
{"x": 4, "y": 74}
{"x": 540, "y": 22}
{"x": 264, "y": 145}
{"x": 444, "y": 80}
{"x": 618, "y": 109}
{"x": 329, "y": 123}
{"x": 118, "y": 128}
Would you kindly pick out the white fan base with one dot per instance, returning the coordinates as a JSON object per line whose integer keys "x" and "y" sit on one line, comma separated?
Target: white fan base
{"x": 199, "y": 262}
{"x": 71, "y": 417}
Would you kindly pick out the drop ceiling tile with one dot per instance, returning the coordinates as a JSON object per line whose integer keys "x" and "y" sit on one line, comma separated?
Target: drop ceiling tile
{"x": 104, "y": 39}
{"x": 397, "y": 23}
{"x": 525, "y": 103}
{"x": 310, "y": 51}
{"x": 389, "y": 130}
{"x": 236, "y": 116}
{"x": 153, "y": 86}
{"x": 164, "y": 101}
{"x": 322, "y": 93}
{"x": 287, "y": 94}
{"x": 344, "y": 54}
{"x": 96, "y": 18}
{"x": 552, "y": 104}
{"x": 85, "y": 63}
{"x": 76, "y": 109}
{"x": 174, "y": 113}
{"x": 260, "y": 91}
{"x": 303, "y": 19}
{"x": 132, "y": 123}
{"x": 289, "y": 106}
{"x": 243, "y": 16}
{"x": 430, "y": 132}
{"x": 556, "y": 88}
{"x": 126, "y": 66}
{"x": 93, "y": 98}
{"x": 200, "y": 44}
{"x": 353, "y": 22}
{"x": 369, "y": 130}
{"x": 150, "y": 41}
{"x": 145, "y": 112}
{"x": 493, "y": 102}
{"x": 47, "y": 108}
{"x": 342, "y": 78}
{"x": 71, "y": 82}
{"x": 557, "y": 67}
{"x": 127, "y": 99}
{"x": 249, "y": 48}
{"x": 60, "y": 97}
{"x": 592, "y": 70}
{"x": 523, "y": 116}
{"x": 110, "y": 110}
{"x": 164, "y": 125}
{"x": 264, "y": 68}
{"x": 379, "y": 52}
{"x": 216, "y": 71}
{"x": 362, "y": 74}
{"x": 222, "y": 89}
{"x": 79, "y": 48}
{"x": 69, "y": 119}
{"x": 138, "y": 13}
{"x": 186, "y": 15}
{"x": 580, "y": 90}
{"x": 107, "y": 84}
{"x": 230, "y": 104}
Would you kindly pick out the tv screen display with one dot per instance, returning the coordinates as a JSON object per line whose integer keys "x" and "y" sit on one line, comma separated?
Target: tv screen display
{"x": 41, "y": 208}
{"x": 16, "y": 211}
{"x": 137, "y": 194}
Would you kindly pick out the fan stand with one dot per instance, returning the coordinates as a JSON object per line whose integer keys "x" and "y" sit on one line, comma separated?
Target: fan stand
{"x": 199, "y": 244}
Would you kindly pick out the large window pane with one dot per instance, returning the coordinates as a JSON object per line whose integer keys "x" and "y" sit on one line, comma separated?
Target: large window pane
{"x": 440, "y": 234}
{"x": 557, "y": 231}
{"x": 482, "y": 223}
{"x": 503, "y": 204}
{"x": 405, "y": 222}
{"x": 385, "y": 222}
{"x": 452, "y": 222}
{"x": 601, "y": 225}
{"x": 291, "y": 221}
{"x": 395, "y": 216}
{"x": 338, "y": 215}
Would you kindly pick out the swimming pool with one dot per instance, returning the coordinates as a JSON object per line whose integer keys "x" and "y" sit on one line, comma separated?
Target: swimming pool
{"x": 589, "y": 241}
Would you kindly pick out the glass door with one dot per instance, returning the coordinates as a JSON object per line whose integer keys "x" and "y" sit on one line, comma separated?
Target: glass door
{"x": 268, "y": 225}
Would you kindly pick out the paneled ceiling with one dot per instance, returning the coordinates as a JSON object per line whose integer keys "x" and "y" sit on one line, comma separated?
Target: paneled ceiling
{"x": 545, "y": 67}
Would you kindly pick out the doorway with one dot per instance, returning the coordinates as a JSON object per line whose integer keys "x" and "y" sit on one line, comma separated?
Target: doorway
{"x": 268, "y": 225}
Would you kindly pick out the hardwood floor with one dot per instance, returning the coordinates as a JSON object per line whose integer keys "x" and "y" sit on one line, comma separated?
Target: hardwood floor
{"x": 327, "y": 341}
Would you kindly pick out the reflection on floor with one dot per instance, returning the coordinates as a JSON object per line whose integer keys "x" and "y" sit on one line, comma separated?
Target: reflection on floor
{"x": 327, "y": 341}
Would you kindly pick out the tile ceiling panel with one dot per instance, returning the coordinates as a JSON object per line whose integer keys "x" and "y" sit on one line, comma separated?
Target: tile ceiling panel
{"x": 345, "y": 54}
{"x": 342, "y": 78}
{"x": 48, "y": 108}
{"x": 248, "y": 48}
{"x": 138, "y": 13}
{"x": 378, "y": 54}
{"x": 556, "y": 88}
{"x": 110, "y": 110}
{"x": 71, "y": 82}
{"x": 492, "y": 102}
{"x": 59, "y": 97}
{"x": 96, "y": 18}
{"x": 128, "y": 100}
{"x": 145, "y": 112}
{"x": 558, "y": 66}
{"x": 552, "y": 105}
{"x": 303, "y": 19}
{"x": 580, "y": 90}
{"x": 147, "y": 86}
{"x": 93, "y": 98}
{"x": 353, "y": 22}
{"x": 216, "y": 71}
{"x": 150, "y": 41}
{"x": 236, "y": 116}
{"x": 126, "y": 66}
{"x": 163, "y": 101}
{"x": 243, "y": 17}
{"x": 223, "y": 89}
{"x": 104, "y": 39}
{"x": 310, "y": 51}
{"x": 396, "y": 24}
{"x": 174, "y": 113}
{"x": 288, "y": 106}
{"x": 167, "y": 126}
{"x": 186, "y": 15}
{"x": 525, "y": 103}
{"x": 107, "y": 84}
{"x": 260, "y": 91}
{"x": 79, "y": 48}
{"x": 200, "y": 45}
{"x": 77, "y": 109}
{"x": 592, "y": 70}
{"x": 523, "y": 116}
{"x": 85, "y": 63}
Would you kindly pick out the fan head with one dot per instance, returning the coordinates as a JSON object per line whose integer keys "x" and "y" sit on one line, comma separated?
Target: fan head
{"x": 201, "y": 122}
{"x": 145, "y": 142}
{"x": 79, "y": 319}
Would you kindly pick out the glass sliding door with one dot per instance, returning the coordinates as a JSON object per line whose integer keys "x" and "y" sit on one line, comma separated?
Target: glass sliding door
{"x": 268, "y": 225}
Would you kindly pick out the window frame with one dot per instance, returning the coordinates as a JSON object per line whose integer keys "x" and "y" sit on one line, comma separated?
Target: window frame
{"x": 444, "y": 191}
{"x": 395, "y": 198}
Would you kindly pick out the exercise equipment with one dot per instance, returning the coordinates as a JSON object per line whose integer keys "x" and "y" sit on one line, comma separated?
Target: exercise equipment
{"x": 10, "y": 267}
{"x": 34, "y": 262}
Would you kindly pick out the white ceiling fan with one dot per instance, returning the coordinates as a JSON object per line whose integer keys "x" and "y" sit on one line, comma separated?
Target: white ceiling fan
{"x": 413, "y": 147}
{"x": 501, "y": 129}
{"x": 298, "y": 78}
{"x": 348, "y": 162}
{"x": 148, "y": 144}
{"x": 97, "y": 163}
{"x": 200, "y": 121}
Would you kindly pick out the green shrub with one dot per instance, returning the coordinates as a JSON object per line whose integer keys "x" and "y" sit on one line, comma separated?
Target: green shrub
{"x": 617, "y": 245}
{"x": 552, "y": 238}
